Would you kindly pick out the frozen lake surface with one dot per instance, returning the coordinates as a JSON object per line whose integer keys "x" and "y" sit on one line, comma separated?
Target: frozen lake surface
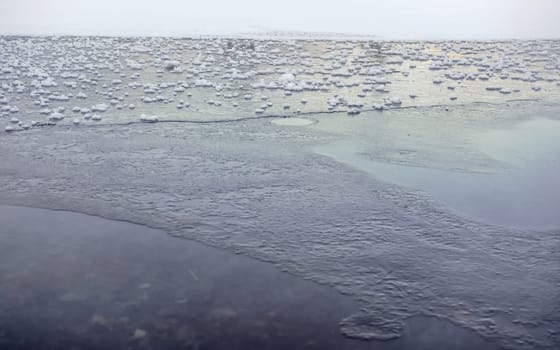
{"x": 525, "y": 195}
{"x": 72, "y": 280}
{"x": 419, "y": 180}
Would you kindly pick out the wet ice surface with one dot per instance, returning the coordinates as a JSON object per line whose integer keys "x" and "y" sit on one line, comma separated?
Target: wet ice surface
{"x": 232, "y": 178}
{"x": 76, "y": 281}
{"x": 253, "y": 188}
{"x": 292, "y": 121}
{"x": 526, "y": 194}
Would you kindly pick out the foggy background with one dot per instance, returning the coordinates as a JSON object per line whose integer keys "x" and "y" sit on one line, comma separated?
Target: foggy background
{"x": 406, "y": 19}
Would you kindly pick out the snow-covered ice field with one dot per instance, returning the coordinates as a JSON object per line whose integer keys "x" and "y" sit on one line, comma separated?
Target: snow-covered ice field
{"x": 420, "y": 178}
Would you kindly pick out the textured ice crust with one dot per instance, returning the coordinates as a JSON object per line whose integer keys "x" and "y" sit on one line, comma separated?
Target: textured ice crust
{"x": 257, "y": 189}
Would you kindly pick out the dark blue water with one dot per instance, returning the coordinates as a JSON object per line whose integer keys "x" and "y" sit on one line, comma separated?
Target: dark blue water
{"x": 72, "y": 281}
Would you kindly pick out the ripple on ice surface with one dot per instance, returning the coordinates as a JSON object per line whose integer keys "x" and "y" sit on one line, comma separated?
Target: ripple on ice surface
{"x": 293, "y": 121}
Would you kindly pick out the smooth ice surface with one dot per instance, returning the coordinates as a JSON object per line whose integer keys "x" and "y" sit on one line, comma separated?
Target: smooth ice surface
{"x": 293, "y": 121}
{"x": 76, "y": 280}
{"x": 526, "y": 194}
{"x": 72, "y": 280}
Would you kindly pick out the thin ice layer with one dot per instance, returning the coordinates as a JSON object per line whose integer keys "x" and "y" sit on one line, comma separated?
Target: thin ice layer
{"x": 262, "y": 192}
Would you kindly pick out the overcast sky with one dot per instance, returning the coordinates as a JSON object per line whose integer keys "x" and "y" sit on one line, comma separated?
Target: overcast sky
{"x": 485, "y": 19}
